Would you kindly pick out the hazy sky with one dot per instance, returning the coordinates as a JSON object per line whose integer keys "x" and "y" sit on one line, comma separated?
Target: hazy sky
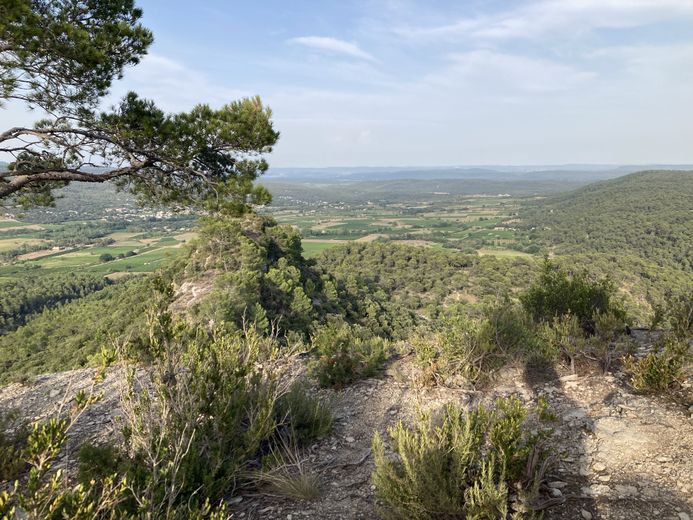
{"x": 370, "y": 82}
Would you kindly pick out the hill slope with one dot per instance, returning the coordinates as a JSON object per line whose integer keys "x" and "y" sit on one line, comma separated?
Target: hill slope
{"x": 648, "y": 214}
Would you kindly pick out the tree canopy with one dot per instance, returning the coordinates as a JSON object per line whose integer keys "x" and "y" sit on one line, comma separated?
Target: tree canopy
{"x": 61, "y": 56}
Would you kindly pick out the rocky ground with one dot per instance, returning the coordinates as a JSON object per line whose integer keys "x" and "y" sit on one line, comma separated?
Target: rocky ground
{"x": 620, "y": 455}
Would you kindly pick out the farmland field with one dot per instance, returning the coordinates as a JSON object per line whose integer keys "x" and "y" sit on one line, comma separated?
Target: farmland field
{"x": 114, "y": 241}
{"x": 119, "y": 252}
{"x": 471, "y": 223}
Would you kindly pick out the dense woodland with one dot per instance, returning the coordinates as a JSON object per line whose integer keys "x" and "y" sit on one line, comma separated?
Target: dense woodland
{"x": 21, "y": 299}
{"x": 646, "y": 214}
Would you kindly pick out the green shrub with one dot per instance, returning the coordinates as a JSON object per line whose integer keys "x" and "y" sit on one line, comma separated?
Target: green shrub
{"x": 455, "y": 352}
{"x": 680, "y": 314}
{"x": 462, "y": 467}
{"x": 46, "y": 493}
{"x": 207, "y": 413}
{"x": 563, "y": 338}
{"x": 307, "y": 418}
{"x": 13, "y": 441}
{"x": 462, "y": 350}
{"x": 556, "y": 293}
{"x": 212, "y": 405}
{"x": 345, "y": 353}
{"x": 609, "y": 342}
{"x": 662, "y": 367}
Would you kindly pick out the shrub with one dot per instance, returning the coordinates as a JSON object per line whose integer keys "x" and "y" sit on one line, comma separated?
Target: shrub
{"x": 210, "y": 409}
{"x": 662, "y": 367}
{"x": 609, "y": 342}
{"x": 345, "y": 353}
{"x": 46, "y": 493}
{"x": 460, "y": 349}
{"x": 455, "y": 352}
{"x": 13, "y": 441}
{"x": 307, "y": 418}
{"x": 196, "y": 422}
{"x": 556, "y": 293}
{"x": 563, "y": 338}
{"x": 462, "y": 467}
{"x": 680, "y": 314}
{"x": 191, "y": 429}
{"x": 106, "y": 257}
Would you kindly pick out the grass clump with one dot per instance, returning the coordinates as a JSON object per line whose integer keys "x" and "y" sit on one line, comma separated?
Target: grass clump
{"x": 285, "y": 473}
{"x": 463, "y": 466}
{"x": 345, "y": 353}
{"x": 306, "y": 417}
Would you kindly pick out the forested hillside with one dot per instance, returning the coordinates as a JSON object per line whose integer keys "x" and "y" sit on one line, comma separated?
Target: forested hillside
{"x": 66, "y": 336}
{"x": 21, "y": 299}
{"x": 647, "y": 214}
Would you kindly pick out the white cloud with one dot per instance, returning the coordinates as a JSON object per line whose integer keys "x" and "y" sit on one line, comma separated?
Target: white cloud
{"x": 173, "y": 86}
{"x": 556, "y": 18}
{"x": 333, "y": 46}
{"x": 503, "y": 72}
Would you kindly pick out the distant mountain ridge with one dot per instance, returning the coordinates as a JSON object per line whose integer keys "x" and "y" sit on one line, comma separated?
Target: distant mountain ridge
{"x": 577, "y": 173}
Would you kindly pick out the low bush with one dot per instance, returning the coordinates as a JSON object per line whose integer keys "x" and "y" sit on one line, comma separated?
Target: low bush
{"x": 196, "y": 423}
{"x": 563, "y": 338}
{"x": 305, "y": 417}
{"x": 462, "y": 466}
{"x": 609, "y": 344}
{"x": 460, "y": 350}
{"x": 194, "y": 427}
{"x": 679, "y": 312}
{"x": 13, "y": 441}
{"x": 556, "y": 293}
{"x": 46, "y": 493}
{"x": 345, "y": 353}
{"x": 453, "y": 353}
{"x": 661, "y": 368}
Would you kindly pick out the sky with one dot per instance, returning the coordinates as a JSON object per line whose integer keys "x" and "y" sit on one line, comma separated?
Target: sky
{"x": 435, "y": 82}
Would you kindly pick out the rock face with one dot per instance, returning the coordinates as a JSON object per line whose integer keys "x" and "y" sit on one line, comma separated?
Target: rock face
{"x": 620, "y": 455}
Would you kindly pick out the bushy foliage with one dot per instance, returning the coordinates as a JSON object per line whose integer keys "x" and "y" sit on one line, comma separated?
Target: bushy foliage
{"x": 645, "y": 214}
{"x": 660, "y": 369}
{"x": 455, "y": 352}
{"x": 192, "y": 430}
{"x": 345, "y": 353}
{"x": 423, "y": 280}
{"x": 459, "y": 349}
{"x": 563, "y": 337}
{"x": 13, "y": 439}
{"x": 48, "y": 494}
{"x": 303, "y": 417}
{"x": 210, "y": 409}
{"x": 556, "y": 293}
{"x": 22, "y": 299}
{"x": 679, "y": 313}
{"x": 461, "y": 466}
{"x": 261, "y": 276}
